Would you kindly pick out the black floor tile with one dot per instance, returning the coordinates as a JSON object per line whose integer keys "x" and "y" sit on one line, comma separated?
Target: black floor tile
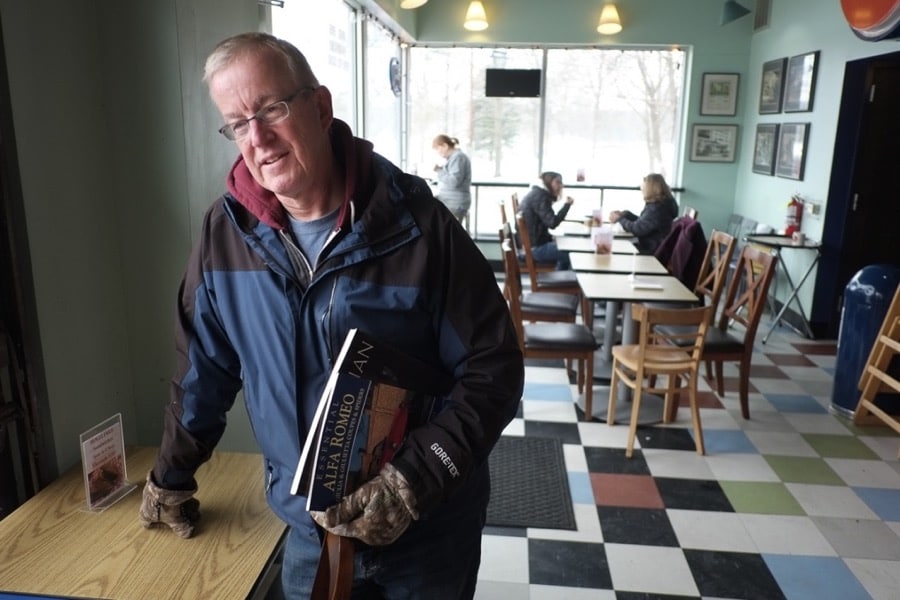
{"x": 613, "y": 460}
{"x": 665, "y": 438}
{"x": 567, "y": 433}
{"x": 571, "y": 564}
{"x": 732, "y": 575}
{"x": 693, "y": 494}
{"x": 644, "y": 526}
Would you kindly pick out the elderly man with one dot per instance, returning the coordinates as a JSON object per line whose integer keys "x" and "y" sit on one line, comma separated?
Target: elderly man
{"x": 318, "y": 234}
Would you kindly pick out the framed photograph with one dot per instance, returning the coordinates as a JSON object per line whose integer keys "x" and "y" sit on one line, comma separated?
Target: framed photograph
{"x": 713, "y": 143}
{"x": 719, "y": 95}
{"x": 764, "y": 149}
{"x": 771, "y": 85}
{"x": 792, "y": 150}
{"x": 800, "y": 82}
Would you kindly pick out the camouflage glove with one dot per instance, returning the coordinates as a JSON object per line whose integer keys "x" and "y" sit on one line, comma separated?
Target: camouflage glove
{"x": 377, "y": 513}
{"x": 177, "y": 509}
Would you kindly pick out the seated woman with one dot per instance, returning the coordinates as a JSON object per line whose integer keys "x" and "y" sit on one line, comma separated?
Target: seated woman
{"x": 454, "y": 177}
{"x": 536, "y": 208}
{"x": 655, "y": 221}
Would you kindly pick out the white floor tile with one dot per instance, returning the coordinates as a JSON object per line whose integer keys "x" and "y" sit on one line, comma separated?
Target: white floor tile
{"x": 705, "y": 530}
{"x": 784, "y": 534}
{"x": 830, "y": 501}
{"x": 504, "y": 559}
{"x": 865, "y": 473}
{"x": 650, "y": 569}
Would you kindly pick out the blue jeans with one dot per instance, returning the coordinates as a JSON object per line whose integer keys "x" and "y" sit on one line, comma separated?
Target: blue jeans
{"x": 550, "y": 253}
{"x": 436, "y": 558}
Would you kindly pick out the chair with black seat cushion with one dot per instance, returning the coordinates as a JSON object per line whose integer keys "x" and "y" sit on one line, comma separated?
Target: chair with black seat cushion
{"x": 670, "y": 345}
{"x": 743, "y": 306}
{"x": 549, "y": 281}
{"x": 539, "y": 306}
{"x": 510, "y": 233}
{"x": 567, "y": 341}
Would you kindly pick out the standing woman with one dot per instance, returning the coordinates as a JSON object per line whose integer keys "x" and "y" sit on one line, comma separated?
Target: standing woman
{"x": 454, "y": 176}
{"x": 537, "y": 210}
{"x": 655, "y": 221}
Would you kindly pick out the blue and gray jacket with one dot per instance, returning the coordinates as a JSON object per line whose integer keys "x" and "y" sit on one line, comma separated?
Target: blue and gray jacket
{"x": 253, "y": 317}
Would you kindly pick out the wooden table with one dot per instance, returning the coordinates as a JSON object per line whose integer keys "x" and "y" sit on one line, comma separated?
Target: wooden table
{"x": 584, "y": 244}
{"x": 53, "y": 546}
{"x": 581, "y": 229}
{"x": 617, "y": 263}
{"x": 617, "y": 290}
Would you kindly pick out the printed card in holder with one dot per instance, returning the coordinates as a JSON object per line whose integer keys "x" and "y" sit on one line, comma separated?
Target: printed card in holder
{"x": 602, "y": 237}
{"x": 103, "y": 462}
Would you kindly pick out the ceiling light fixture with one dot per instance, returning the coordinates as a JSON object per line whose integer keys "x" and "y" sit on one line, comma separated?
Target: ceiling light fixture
{"x": 609, "y": 20}
{"x": 732, "y": 11}
{"x": 476, "y": 20}
{"x": 409, "y": 4}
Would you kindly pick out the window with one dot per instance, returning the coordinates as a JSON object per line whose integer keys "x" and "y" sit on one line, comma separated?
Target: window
{"x": 324, "y": 32}
{"x": 605, "y": 116}
{"x": 382, "y": 104}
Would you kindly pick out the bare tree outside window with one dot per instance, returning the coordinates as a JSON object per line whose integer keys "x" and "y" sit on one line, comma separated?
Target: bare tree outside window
{"x": 610, "y": 116}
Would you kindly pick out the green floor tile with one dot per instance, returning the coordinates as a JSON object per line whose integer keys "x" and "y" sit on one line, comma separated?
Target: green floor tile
{"x": 838, "y": 446}
{"x": 800, "y": 469}
{"x": 761, "y": 498}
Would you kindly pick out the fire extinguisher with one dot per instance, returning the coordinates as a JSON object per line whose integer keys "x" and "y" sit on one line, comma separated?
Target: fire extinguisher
{"x": 794, "y": 216}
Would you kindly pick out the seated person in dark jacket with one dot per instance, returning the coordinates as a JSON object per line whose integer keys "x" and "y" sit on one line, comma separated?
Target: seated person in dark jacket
{"x": 537, "y": 210}
{"x": 655, "y": 221}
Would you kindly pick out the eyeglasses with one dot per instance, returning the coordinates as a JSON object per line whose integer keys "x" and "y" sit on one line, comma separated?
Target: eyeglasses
{"x": 270, "y": 114}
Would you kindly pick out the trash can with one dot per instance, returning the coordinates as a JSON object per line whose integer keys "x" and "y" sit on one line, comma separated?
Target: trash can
{"x": 867, "y": 298}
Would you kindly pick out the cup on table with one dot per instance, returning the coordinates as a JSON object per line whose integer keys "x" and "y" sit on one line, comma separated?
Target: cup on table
{"x": 602, "y": 237}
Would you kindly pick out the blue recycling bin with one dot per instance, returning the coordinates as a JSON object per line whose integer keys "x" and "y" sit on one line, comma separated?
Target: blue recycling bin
{"x": 867, "y": 298}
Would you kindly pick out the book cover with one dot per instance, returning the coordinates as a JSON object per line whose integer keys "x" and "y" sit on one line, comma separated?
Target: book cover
{"x": 374, "y": 395}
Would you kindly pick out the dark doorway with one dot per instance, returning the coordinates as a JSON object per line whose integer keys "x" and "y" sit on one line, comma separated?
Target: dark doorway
{"x": 860, "y": 225}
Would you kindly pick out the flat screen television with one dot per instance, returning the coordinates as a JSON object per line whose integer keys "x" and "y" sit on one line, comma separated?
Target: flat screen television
{"x": 510, "y": 83}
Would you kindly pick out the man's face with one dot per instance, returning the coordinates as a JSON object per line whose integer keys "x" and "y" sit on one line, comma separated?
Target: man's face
{"x": 290, "y": 157}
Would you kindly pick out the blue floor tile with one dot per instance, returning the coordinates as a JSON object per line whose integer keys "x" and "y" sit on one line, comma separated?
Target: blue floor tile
{"x": 795, "y": 403}
{"x": 884, "y": 502}
{"x": 814, "y": 577}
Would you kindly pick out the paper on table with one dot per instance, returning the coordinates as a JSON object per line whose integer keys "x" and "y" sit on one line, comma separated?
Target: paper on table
{"x": 639, "y": 284}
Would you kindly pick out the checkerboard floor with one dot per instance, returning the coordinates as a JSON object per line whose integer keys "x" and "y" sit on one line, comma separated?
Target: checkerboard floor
{"x": 795, "y": 503}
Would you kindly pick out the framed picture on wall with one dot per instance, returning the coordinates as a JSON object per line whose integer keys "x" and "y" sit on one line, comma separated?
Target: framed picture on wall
{"x": 792, "y": 150}
{"x": 713, "y": 143}
{"x": 764, "y": 148}
{"x": 719, "y": 94}
{"x": 800, "y": 82}
{"x": 771, "y": 85}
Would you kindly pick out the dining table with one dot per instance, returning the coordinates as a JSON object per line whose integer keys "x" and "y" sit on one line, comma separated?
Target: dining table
{"x": 571, "y": 243}
{"x": 619, "y": 291}
{"x": 617, "y": 263}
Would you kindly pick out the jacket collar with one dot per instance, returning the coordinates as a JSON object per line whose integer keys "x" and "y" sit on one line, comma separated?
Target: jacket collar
{"x": 353, "y": 154}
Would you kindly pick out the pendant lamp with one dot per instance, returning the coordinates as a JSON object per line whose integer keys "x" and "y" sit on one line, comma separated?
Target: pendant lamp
{"x": 409, "y": 4}
{"x": 476, "y": 20}
{"x": 609, "y": 20}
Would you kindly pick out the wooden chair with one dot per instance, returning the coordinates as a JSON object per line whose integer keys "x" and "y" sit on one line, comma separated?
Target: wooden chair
{"x": 744, "y": 304}
{"x": 690, "y": 212}
{"x": 510, "y": 233}
{"x": 714, "y": 270}
{"x": 876, "y": 378}
{"x": 514, "y": 202}
{"x": 551, "y": 281}
{"x": 567, "y": 341}
{"x": 673, "y": 351}
{"x": 539, "y": 306}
